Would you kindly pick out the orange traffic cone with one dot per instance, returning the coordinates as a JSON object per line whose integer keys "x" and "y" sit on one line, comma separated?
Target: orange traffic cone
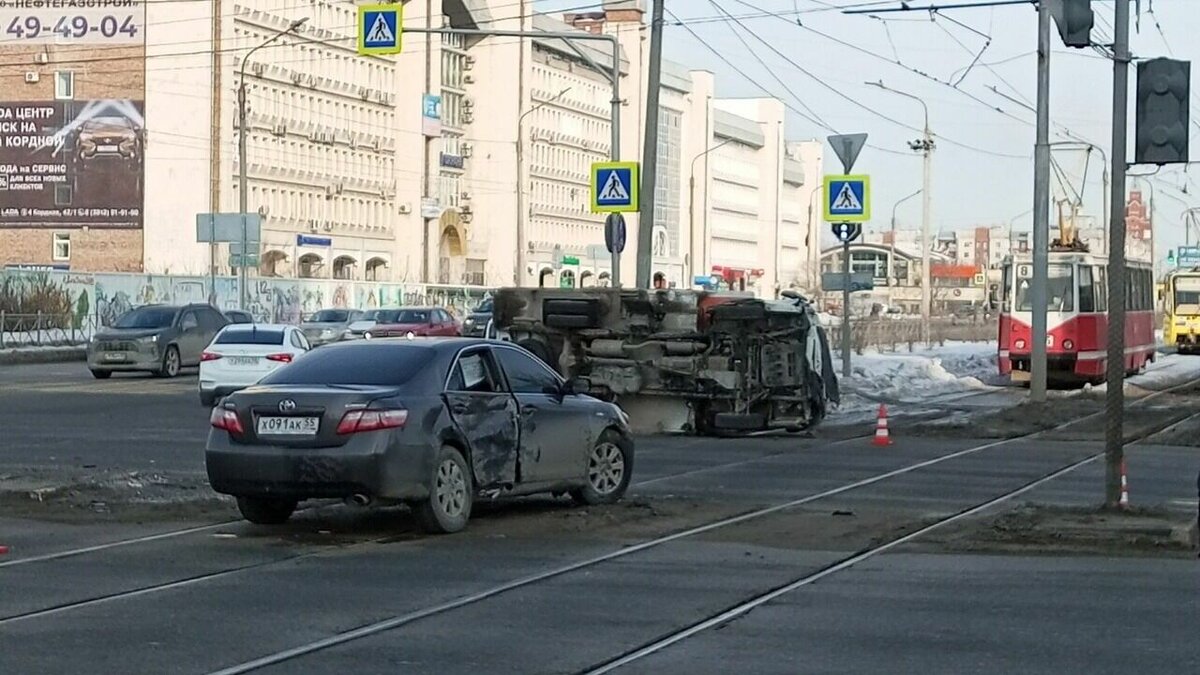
{"x": 3, "y": 550}
{"x": 881, "y": 428}
{"x": 1124, "y": 503}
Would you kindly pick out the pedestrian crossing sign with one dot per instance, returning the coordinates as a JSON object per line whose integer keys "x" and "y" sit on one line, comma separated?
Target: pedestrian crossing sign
{"x": 614, "y": 187}
{"x": 380, "y": 28}
{"x": 847, "y": 199}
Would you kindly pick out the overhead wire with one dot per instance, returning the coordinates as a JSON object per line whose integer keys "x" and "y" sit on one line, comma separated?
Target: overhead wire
{"x": 821, "y": 81}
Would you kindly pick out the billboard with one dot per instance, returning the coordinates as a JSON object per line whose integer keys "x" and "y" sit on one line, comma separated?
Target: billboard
{"x": 73, "y": 22}
{"x": 74, "y": 162}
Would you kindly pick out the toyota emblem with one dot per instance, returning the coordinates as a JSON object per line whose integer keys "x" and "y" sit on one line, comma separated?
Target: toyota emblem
{"x": 287, "y": 405}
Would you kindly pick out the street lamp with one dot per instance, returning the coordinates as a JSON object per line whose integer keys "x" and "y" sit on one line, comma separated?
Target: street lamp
{"x": 692, "y": 204}
{"x": 243, "y": 181}
{"x": 519, "y": 271}
{"x": 892, "y": 260}
{"x": 925, "y": 146}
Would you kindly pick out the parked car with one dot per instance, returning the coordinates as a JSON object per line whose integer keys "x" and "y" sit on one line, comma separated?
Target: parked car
{"x": 161, "y": 339}
{"x": 435, "y": 423}
{"x": 475, "y": 325}
{"x": 415, "y": 322}
{"x": 358, "y": 328}
{"x": 239, "y": 316}
{"x": 328, "y": 325}
{"x": 242, "y": 354}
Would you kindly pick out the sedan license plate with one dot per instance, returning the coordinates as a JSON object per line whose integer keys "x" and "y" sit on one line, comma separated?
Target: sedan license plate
{"x": 114, "y": 356}
{"x": 106, "y": 148}
{"x": 243, "y": 360}
{"x": 288, "y": 426}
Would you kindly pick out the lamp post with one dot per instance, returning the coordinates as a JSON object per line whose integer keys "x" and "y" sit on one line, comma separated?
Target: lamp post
{"x": 519, "y": 269}
{"x": 814, "y": 242}
{"x": 925, "y": 146}
{"x": 692, "y": 203}
{"x": 892, "y": 259}
{"x": 243, "y": 179}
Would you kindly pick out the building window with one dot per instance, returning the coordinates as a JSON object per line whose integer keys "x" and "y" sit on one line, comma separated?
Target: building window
{"x": 62, "y": 246}
{"x": 64, "y": 85}
{"x": 474, "y": 275}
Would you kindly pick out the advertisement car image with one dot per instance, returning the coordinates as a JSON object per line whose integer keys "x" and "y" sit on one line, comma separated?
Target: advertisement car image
{"x": 108, "y": 138}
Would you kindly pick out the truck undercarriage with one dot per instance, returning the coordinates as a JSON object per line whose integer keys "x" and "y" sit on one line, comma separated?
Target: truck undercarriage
{"x": 681, "y": 360}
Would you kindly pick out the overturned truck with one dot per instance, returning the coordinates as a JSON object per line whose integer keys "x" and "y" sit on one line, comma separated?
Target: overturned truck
{"x": 681, "y": 360}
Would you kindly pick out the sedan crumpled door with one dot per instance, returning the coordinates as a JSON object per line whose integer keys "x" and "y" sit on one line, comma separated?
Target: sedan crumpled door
{"x": 486, "y": 416}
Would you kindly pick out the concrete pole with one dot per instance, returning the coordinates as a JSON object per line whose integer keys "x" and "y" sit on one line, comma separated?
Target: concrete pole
{"x": 926, "y": 235}
{"x": 1114, "y": 400}
{"x": 650, "y": 151}
{"x": 1041, "y": 211}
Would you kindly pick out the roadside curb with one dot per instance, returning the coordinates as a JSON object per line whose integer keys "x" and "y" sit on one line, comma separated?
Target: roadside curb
{"x": 42, "y": 355}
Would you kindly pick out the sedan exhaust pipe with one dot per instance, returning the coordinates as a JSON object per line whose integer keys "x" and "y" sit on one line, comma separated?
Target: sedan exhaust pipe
{"x": 360, "y": 500}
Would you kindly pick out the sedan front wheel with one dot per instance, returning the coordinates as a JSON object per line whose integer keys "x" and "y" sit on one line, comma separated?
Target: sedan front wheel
{"x": 610, "y": 466}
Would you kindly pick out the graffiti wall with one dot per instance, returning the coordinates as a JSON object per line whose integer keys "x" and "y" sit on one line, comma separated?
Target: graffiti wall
{"x": 104, "y": 297}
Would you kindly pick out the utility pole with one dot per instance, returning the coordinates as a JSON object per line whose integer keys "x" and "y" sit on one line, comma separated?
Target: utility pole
{"x": 1114, "y": 399}
{"x": 925, "y": 145}
{"x": 648, "y": 171}
{"x": 1041, "y": 211}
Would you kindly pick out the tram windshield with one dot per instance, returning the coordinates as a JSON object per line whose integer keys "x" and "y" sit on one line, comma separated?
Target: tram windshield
{"x": 1187, "y": 294}
{"x": 1060, "y": 288}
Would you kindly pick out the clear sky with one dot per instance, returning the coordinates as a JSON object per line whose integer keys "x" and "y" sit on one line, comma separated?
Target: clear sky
{"x": 986, "y": 106}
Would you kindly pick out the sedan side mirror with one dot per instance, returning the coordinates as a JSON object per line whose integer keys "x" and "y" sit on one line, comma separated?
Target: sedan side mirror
{"x": 577, "y": 385}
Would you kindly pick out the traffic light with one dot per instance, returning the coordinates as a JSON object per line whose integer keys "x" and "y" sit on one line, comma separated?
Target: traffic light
{"x": 1162, "y": 111}
{"x": 1074, "y": 19}
{"x": 847, "y": 232}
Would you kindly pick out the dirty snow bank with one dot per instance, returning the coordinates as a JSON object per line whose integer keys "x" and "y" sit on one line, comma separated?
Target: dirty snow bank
{"x": 1167, "y": 371}
{"x": 907, "y": 377}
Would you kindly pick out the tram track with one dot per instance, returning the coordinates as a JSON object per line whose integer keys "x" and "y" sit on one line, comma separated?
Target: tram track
{"x": 743, "y": 606}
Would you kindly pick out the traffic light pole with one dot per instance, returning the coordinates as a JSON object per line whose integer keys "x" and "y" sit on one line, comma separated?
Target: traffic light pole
{"x": 846, "y": 307}
{"x": 1114, "y": 400}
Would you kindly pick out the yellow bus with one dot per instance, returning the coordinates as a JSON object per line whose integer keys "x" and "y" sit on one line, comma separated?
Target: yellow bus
{"x": 1180, "y": 295}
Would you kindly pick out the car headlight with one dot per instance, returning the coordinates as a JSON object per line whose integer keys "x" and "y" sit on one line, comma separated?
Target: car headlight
{"x": 468, "y": 322}
{"x": 368, "y": 335}
{"x": 410, "y": 335}
{"x": 148, "y": 340}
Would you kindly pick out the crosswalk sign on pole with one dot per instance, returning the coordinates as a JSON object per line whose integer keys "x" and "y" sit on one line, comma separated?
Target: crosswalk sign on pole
{"x": 614, "y": 187}
{"x": 847, "y": 199}
{"x": 380, "y": 28}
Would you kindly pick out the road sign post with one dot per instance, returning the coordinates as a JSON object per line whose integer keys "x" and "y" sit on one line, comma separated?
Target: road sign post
{"x": 380, "y": 28}
{"x": 615, "y": 190}
{"x": 847, "y": 204}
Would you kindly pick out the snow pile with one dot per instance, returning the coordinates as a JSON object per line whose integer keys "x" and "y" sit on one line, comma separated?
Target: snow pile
{"x": 922, "y": 375}
{"x": 1168, "y": 370}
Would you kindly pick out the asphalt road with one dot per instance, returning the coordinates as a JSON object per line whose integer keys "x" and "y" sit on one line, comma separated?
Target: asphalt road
{"x": 539, "y": 586}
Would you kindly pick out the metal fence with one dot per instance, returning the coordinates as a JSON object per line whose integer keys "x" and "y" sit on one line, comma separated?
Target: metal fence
{"x": 890, "y": 335}
{"x": 44, "y": 330}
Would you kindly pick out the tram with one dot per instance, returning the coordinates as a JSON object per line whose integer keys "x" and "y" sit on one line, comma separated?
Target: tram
{"x": 1076, "y": 315}
{"x": 1180, "y": 294}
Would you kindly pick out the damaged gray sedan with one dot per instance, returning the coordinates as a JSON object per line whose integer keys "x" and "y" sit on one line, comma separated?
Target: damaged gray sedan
{"x": 436, "y": 423}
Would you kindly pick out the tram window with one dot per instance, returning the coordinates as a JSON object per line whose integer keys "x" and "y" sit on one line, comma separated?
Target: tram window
{"x": 1087, "y": 294}
{"x": 1100, "y": 288}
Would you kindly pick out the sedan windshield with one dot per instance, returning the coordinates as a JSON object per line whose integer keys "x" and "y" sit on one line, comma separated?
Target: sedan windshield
{"x": 363, "y": 364}
{"x": 147, "y": 317}
{"x": 330, "y": 316}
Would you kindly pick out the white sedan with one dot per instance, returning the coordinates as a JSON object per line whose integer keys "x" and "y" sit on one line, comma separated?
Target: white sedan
{"x": 241, "y": 354}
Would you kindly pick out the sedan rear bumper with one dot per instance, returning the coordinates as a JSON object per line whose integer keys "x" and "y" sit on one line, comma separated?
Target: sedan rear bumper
{"x": 365, "y": 465}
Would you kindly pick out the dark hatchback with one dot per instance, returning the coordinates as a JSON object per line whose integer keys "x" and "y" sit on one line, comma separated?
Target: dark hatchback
{"x": 431, "y": 422}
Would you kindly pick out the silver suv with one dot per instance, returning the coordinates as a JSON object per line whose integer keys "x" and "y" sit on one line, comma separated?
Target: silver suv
{"x": 161, "y": 339}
